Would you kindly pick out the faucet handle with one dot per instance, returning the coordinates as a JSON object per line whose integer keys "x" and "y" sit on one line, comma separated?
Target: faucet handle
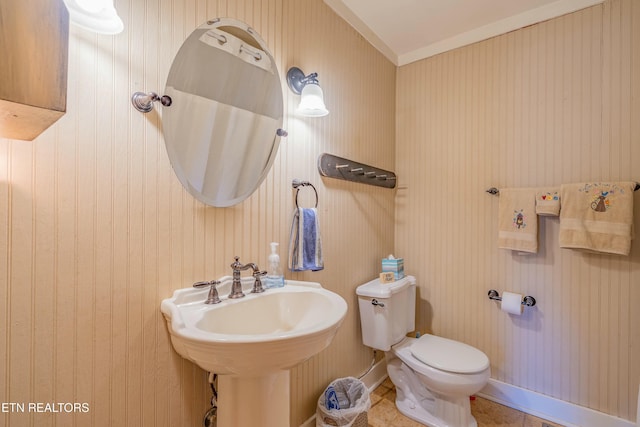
{"x": 213, "y": 297}
{"x": 236, "y": 264}
{"x": 257, "y": 284}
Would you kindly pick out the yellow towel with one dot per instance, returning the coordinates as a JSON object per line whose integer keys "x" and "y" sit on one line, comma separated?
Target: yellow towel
{"x": 548, "y": 201}
{"x": 597, "y": 217}
{"x": 517, "y": 220}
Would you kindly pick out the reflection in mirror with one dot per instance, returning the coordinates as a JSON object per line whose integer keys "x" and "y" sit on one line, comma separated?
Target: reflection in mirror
{"x": 222, "y": 131}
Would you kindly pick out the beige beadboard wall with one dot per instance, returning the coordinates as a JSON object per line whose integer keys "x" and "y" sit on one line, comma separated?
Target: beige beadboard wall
{"x": 95, "y": 229}
{"x": 552, "y": 103}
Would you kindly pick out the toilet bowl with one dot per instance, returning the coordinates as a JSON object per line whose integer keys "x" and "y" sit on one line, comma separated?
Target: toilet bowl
{"x": 430, "y": 394}
{"x": 433, "y": 376}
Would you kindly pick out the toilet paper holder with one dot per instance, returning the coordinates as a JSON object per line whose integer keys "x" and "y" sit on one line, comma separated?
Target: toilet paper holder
{"x": 529, "y": 301}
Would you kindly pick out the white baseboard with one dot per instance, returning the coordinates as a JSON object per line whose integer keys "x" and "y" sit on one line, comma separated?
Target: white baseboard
{"x": 531, "y": 402}
{"x": 376, "y": 375}
{"x": 372, "y": 380}
{"x": 549, "y": 408}
{"x": 311, "y": 422}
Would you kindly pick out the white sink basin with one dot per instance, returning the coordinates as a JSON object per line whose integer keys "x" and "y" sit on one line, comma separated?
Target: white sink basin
{"x": 259, "y": 333}
{"x": 252, "y": 342}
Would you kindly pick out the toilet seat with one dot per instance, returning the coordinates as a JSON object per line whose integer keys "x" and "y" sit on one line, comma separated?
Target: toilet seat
{"x": 438, "y": 380}
{"x": 449, "y": 355}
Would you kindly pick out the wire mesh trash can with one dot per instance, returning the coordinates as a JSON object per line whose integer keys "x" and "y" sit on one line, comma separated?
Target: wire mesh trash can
{"x": 345, "y": 402}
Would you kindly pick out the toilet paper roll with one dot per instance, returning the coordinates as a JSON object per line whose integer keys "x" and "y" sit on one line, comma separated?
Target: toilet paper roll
{"x": 512, "y": 303}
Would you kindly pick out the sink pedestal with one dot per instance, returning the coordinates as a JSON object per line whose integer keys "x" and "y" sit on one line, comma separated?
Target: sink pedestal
{"x": 250, "y": 401}
{"x": 253, "y": 342}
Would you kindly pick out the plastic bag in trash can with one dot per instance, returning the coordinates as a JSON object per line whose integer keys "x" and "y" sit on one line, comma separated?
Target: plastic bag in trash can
{"x": 351, "y": 396}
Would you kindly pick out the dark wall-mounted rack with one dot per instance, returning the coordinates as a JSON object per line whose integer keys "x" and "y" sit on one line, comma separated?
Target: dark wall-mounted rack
{"x": 341, "y": 168}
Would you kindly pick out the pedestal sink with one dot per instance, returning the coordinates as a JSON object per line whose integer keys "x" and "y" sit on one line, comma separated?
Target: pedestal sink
{"x": 253, "y": 342}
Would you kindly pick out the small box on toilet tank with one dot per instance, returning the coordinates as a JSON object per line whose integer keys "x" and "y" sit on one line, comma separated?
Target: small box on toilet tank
{"x": 393, "y": 265}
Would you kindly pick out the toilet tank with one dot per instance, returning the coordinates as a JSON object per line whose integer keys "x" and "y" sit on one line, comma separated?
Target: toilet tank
{"x": 387, "y": 311}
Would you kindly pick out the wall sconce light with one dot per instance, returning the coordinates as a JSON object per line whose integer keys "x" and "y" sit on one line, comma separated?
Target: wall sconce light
{"x": 95, "y": 15}
{"x": 311, "y": 96}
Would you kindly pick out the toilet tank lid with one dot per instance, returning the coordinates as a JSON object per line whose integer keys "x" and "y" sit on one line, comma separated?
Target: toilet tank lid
{"x": 375, "y": 289}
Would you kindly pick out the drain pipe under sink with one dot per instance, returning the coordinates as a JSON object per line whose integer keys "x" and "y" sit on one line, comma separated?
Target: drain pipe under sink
{"x": 211, "y": 416}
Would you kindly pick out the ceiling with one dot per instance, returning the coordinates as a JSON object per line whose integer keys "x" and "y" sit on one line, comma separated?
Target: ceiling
{"x": 409, "y": 30}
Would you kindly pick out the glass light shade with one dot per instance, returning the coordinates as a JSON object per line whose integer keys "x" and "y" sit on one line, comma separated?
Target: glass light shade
{"x": 312, "y": 101}
{"x": 95, "y": 15}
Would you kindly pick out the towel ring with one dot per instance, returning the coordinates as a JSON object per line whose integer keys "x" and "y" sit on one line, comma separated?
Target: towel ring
{"x": 298, "y": 183}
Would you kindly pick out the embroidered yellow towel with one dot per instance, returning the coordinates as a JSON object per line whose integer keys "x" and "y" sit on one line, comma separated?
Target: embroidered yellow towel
{"x": 548, "y": 201}
{"x": 597, "y": 216}
{"x": 517, "y": 220}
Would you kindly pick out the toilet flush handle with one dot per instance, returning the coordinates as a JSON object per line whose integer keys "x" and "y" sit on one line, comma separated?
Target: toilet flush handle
{"x": 378, "y": 303}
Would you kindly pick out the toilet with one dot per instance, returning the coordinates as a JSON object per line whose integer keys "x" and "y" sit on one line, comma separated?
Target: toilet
{"x": 433, "y": 376}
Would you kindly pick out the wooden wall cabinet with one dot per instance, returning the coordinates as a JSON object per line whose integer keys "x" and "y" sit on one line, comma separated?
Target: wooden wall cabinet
{"x": 34, "y": 45}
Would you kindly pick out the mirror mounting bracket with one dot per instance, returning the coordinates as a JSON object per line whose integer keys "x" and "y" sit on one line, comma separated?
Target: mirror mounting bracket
{"x": 143, "y": 102}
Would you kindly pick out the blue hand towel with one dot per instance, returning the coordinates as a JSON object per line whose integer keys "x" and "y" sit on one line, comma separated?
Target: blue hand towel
{"x": 305, "y": 245}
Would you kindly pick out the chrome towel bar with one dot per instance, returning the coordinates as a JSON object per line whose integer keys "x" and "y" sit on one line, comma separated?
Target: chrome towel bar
{"x": 495, "y": 191}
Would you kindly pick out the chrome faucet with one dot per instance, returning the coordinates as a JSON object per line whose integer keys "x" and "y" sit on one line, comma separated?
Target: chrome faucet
{"x": 236, "y": 284}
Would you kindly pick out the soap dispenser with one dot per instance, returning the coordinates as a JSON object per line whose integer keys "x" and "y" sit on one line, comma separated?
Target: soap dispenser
{"x": 275, "y": 278}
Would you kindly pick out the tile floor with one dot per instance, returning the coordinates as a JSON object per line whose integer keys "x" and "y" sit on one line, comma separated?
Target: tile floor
{"x": 383, "y": 412}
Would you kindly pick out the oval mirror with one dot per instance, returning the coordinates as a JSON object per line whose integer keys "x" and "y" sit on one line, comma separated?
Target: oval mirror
{"x": 222, "y": 129}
